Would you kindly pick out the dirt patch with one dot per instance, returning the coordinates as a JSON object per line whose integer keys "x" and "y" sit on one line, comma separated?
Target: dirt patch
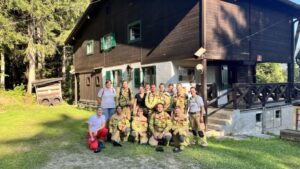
{"x": 90, "y": 160}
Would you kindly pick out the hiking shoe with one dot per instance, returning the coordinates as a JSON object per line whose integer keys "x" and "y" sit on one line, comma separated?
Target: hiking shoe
{"x": 116, "y": 144}
{"x": 159, "y": 149}
{"x": 101, "y": 145}
{"x": 177, "y": 150}
{"x": 98, "y": 150}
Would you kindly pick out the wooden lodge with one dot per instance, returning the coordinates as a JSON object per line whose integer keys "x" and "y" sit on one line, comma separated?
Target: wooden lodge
{"x": 155, "y": 42}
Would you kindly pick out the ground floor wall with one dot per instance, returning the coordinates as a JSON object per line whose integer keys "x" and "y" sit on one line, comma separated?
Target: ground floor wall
{"x": 265, "y": 120}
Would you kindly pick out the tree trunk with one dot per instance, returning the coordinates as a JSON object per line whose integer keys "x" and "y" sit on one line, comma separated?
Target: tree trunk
{"x": 2, "y": 71}
{"x": 64, "y": 63}
{"x": 31, "y": 73}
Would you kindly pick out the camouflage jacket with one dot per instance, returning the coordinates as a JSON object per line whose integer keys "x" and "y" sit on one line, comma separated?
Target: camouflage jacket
{"x": 151, "y": 100}
{"x": 139, "y": 124}
{"x": 118, "y": 122}
{"x": 180, "y": 124}
{"x": 160, "y": 122}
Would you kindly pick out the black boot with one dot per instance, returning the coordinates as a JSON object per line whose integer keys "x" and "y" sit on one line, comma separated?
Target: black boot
{"x": 116, "y": 144}
{"x": 159, "y": 149}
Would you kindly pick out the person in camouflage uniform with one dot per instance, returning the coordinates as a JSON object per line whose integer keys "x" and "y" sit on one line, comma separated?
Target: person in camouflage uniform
{"x": 125, "y": 100}
{"x": 181, "y": 98}
{"x": 139, "y": 127}
{"x": 180, "y": 128}
{"x": 152, "y": 99}
{"x": 160, "y": 125}
{"x": 164, "y": 97}
{"x": 119, "y": 127}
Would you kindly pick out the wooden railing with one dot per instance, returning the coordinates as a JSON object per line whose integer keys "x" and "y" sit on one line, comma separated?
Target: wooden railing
{"x": 249, "y": 95}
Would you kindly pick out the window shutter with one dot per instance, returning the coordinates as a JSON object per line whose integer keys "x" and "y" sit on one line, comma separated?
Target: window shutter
{"x": 137, "y": 77}
{"x": 108, "y": 75}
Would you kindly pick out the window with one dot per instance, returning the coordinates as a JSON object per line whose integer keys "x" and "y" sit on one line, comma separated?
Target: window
{"x": 117, "y": 78}
{"x": 149, "y": 75}
{"x": 278, "y": 114}
{"x": 90, "y": 47}
{"x": 88, "y": 81}
{"x": 108, "y": 42}
{"x": 186, "y": 74}
{"x": 258, "y": 117}
{"x": 134, "y": 32}
{"x": 224, "y": 77}
{"x": 97, "y": 81}
{"x": 137, "y": 77}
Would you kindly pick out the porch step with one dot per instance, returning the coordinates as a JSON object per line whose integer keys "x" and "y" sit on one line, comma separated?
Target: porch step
{"x": 214, "y": 133}
{"x": 216, "y": 127}
{"x": 221, "y": 115}
{"x": 219, "y": 121}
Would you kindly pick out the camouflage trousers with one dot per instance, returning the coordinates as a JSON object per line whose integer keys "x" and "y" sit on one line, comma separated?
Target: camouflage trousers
{"x": 154, "y": 142}
{"x": 140, "y": 136}
{"x": 117, "y": 134}
{"x": 181, "y": 140}
{"x": 195, "y": 119}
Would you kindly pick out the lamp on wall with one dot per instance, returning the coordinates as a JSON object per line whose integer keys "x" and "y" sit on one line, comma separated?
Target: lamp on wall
{"x": 129, "y": 72}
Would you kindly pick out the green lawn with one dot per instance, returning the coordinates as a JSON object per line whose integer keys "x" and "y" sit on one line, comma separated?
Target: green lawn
{"x": 31, "y": 134}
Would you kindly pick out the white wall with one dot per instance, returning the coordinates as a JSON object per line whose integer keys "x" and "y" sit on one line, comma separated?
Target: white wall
{"x": 245, "y": 122}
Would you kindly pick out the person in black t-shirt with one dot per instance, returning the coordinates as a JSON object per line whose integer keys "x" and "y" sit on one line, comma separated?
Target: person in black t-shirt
{"x": 139, "y": 101}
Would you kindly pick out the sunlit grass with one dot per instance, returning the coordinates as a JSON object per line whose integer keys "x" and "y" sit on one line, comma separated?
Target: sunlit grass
{"x": 30, "y": 133}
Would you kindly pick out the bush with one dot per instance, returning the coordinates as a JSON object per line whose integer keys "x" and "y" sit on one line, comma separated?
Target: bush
{"x": 18, "y": 90}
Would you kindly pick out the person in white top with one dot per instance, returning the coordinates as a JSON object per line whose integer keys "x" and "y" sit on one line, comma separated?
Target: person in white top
{"x": 106, "y": 98}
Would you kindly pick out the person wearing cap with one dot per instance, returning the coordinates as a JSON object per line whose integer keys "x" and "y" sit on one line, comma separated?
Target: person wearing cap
{"x": 196, "y": 111}
{"x": 160, "y": 125}
{"x": 97, "y": 131}
{"x": 180, "y": 128}
{"x": 139, "y": 127}
{"x": 119, "y": 127}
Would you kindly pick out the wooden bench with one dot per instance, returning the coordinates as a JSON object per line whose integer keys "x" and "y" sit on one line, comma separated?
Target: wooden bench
{"x": 292, "y": 135}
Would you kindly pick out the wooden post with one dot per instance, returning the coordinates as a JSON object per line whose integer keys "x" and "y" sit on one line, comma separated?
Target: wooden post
{"x": 204, "y": 60}
{"x": 291, "y": 65}
{"x": 76, "y": 89}
{"x": 2, "y": 71}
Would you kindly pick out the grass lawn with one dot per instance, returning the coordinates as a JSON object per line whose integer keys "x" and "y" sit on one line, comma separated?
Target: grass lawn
{"x": 33, "y": 136}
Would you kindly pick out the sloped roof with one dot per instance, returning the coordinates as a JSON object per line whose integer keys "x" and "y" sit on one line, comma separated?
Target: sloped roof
{"x": 95, "y": 3}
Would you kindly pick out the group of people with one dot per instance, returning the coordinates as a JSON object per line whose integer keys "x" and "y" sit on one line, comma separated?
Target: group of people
{"x": 150, "y": 117}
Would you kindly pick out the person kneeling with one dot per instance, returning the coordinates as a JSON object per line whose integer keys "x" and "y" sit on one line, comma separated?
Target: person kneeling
{"x": 160, "y": 125}
{"x": 139, "y": 127}
{"x": 180, "y": 127}
{"x": 119, "y": 127}
{"x": 97, "y": 131}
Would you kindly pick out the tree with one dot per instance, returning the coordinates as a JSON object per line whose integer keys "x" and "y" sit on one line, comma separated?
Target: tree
{"x": 270, "y": 73}
{"x": 43, "y": 25}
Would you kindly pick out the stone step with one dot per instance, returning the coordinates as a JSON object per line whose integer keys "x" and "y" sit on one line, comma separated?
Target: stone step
{"x": 214, "y": 133}
{"x": 219, "y": 121}
{"x": 221, "y": 115}
{"x": 216, "y": 127}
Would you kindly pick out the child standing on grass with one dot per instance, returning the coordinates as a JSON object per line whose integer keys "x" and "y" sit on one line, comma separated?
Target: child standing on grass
{"x": 97, "y": 131}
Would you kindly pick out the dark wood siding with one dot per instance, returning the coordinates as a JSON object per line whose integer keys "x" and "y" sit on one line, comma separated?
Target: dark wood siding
{"x": 230, "y": 22}
{"x": 88, "y": 93}
{"x": 170, "y": 30}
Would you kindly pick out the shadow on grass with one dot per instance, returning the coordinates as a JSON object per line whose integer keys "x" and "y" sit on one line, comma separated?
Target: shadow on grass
{"x": 63, "y": 134}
